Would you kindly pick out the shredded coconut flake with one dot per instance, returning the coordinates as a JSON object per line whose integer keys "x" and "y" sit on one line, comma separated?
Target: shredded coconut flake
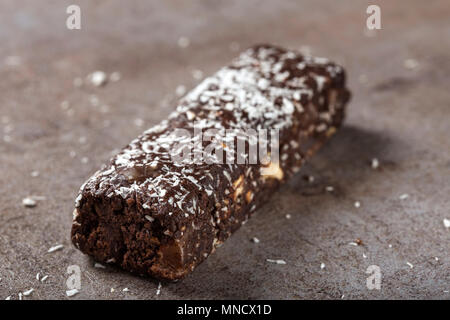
{"x": 375, "y": 163}
{"x": 255, "y": 240}
{"x": 277, "y": 261}
{"x": 29, "y": 202}
{"x": 158, "y": 290}
{"x": 28, "y": 292}
{"x": 97, "y": 78}
{"x": 55, "y": 248}
{"x": 72, "y": 292}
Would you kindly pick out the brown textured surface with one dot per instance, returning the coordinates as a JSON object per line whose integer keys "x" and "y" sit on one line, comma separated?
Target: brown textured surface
{"x": 398, "y": 115}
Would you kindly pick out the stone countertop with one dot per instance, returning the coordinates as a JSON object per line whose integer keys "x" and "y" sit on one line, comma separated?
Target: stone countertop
{"x": 54, "y": 135}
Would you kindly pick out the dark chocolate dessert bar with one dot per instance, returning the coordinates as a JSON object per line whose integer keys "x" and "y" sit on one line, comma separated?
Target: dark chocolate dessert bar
{"x": 154, "y": 214}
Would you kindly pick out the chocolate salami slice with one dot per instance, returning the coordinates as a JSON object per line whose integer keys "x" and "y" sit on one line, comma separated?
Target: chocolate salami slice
{"x": 169, "y": 199}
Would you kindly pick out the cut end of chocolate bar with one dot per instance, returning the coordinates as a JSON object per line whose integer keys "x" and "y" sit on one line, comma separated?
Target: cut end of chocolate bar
{"x": 119, "y": 231}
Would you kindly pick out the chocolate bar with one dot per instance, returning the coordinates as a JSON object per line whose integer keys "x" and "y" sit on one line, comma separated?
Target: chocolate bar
{"x": 154, "y": 212}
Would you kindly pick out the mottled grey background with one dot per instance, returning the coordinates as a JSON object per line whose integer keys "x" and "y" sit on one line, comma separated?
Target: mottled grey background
{"x": 399, "y": 115}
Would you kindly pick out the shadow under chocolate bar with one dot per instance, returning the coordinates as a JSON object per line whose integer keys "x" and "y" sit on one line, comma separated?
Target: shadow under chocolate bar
{"x": 153, "y": 215}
